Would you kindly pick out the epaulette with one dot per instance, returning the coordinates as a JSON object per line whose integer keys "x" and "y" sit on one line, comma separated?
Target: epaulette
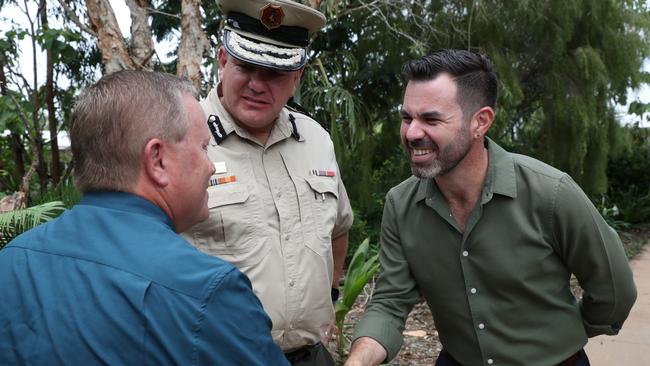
{"x": 297, "y": 108}
{"x": 218, "y": 132}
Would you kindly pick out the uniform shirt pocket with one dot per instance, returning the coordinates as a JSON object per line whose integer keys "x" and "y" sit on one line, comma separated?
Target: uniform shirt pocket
{"x": 230, "y": 230}
{"x": 321, "y": 204}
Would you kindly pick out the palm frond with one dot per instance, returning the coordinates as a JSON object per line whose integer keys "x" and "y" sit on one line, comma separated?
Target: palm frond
{"x": 14, "y": 223}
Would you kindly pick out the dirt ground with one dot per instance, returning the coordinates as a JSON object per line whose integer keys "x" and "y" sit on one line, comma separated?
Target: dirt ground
{"x": 421, "y": 344}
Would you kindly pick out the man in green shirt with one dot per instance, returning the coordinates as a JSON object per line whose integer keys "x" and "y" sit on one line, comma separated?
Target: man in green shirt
{"x": 489, "y": 238}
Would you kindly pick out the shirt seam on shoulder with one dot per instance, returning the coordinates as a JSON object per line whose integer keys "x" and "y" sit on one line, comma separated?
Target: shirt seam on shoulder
{"x": 105, "y": 265}
{"x": 523, "y": 165}
{"x": 552, "y": 211}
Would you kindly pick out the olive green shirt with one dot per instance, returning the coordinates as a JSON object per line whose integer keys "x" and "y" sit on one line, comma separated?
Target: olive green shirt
{"x": 499, "y": 291}
{"x": 276, "y": 218}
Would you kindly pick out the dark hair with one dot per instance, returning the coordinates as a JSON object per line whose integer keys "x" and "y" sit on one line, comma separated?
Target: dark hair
{"x": 473, "y": 73}
{"x": 115, "y": 118}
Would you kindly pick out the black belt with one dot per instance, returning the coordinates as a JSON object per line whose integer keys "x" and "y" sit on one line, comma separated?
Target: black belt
{"x": 300, "y": 354}
{"x": 571, "y": 361}
{"x": 316, "y": 355}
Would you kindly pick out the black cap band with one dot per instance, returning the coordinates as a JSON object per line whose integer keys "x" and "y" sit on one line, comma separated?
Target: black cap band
{"x": 297, "y": 36}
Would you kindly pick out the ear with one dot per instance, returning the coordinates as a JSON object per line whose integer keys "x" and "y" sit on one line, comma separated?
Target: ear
{"x": 296, "y": 79}
{"x": 483, "y": 119}
{"x": 223, "y": 58}
{"x": 153, "y": 160}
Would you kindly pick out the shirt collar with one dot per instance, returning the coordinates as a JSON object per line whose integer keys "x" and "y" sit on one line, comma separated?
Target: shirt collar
{"x": 281, "y": 130}
{"x": 123, "y": 201}
{"x": 500, "y": 178}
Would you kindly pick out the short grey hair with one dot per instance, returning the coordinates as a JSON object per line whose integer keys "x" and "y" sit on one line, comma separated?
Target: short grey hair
{"x": 115, "y": 118}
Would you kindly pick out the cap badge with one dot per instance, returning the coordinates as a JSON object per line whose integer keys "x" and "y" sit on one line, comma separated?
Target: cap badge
{"x": 271, "y": 16}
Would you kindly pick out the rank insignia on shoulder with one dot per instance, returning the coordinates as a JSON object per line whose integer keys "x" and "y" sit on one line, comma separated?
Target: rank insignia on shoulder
{"x": 323, "y": 173}
{"x": 215, "y": 181}
{"x": 216, "y": 128}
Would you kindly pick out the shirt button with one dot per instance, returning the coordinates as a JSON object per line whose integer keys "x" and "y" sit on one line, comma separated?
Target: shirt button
{"x": 286, "y": 237}
{"x": 481, "y": 326}
{"x": 465, "y": 253}
{"x": 291, "y": 283}
{"x": 490, "y": 361}
{"x": 473, "y": 290}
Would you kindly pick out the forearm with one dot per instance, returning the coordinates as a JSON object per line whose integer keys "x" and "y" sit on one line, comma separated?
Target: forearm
{"x": 366, "y": 351}
{"x": 339, "y": 250}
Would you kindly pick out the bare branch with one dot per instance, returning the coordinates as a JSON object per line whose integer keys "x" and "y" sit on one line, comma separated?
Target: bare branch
{"x": 155, "y": 11}
{"x": 75, "y": 19}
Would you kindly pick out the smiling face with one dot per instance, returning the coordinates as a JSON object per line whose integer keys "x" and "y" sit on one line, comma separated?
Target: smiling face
{"x": 253, "y": 95}
{"x": 435, "y": 133}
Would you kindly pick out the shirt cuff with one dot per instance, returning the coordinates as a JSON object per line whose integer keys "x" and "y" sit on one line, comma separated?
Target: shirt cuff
{"x": 385, "y": 331}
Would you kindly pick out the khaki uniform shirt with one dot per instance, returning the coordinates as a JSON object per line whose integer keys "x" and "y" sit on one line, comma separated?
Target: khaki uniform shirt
{"x": 277, "y": 219}
{"x": 499, "y": 290}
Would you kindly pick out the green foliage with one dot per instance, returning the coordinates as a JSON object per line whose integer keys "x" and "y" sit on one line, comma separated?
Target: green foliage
{"x": 362, "y": 268}
{"x": 628, "y": 174}
{"x": 14, "y": 223}
{"x": 562, "y": 65}
{"x": 64, "y": 192}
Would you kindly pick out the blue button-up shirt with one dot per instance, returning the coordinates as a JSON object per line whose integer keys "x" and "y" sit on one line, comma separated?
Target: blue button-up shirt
{"x": 110, "y": 282}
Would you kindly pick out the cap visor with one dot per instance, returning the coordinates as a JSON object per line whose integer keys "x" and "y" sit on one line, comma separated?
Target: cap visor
{"x": 264, "y": 54}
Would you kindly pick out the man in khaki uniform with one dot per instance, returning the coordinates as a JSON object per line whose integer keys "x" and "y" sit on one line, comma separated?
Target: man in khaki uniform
{"x": 278, "y": 207}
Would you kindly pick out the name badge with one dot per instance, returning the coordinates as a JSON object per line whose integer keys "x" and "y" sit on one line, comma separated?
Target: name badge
{"x": 220, "y": 167}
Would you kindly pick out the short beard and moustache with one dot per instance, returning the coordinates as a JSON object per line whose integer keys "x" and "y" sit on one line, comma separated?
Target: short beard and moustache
{"x": 447, "y": 159}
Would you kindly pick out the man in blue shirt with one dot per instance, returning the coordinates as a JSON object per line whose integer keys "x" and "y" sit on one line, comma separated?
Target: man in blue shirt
{"x": 110, "y": 281}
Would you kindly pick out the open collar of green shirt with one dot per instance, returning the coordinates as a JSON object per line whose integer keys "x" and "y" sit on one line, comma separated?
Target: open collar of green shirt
{"x": 281, "y": 128}
{"x": 500, "y": 179}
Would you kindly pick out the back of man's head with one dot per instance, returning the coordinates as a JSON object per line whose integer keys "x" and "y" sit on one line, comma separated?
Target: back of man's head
{"x": 113, "y": 120}
{"x": 475, "y": 78}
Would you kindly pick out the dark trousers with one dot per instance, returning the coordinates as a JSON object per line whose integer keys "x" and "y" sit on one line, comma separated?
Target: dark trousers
{"x": 316, "y": 355}
{"x": 579, "y": 359}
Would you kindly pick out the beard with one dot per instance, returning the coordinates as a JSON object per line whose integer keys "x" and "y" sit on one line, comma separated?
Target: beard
{"x": 448, "y": 158}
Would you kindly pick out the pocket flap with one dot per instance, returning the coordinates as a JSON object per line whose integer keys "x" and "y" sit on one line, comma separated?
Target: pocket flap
{"x": 227, "y": 194}
{"x": 323, "y": 184}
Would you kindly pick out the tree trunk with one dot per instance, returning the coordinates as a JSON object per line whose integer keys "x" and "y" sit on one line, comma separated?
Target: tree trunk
{"x": 115, "y": 55}
{"x": 49, "y": 101}
{"x": 315, "y": 4}
{"x": 36, "y": 132}
{"x": 194, "y": 43}
{"x": 17, "y": 147}
{"x": 142, "y": 47}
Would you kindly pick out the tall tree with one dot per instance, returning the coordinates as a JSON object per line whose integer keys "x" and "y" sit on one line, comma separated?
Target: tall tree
{"x": 115, "y": 54}
{"x": 142, "y": 48}
{"x": 49, "y": 100}
{"x": 194, "y": 43}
